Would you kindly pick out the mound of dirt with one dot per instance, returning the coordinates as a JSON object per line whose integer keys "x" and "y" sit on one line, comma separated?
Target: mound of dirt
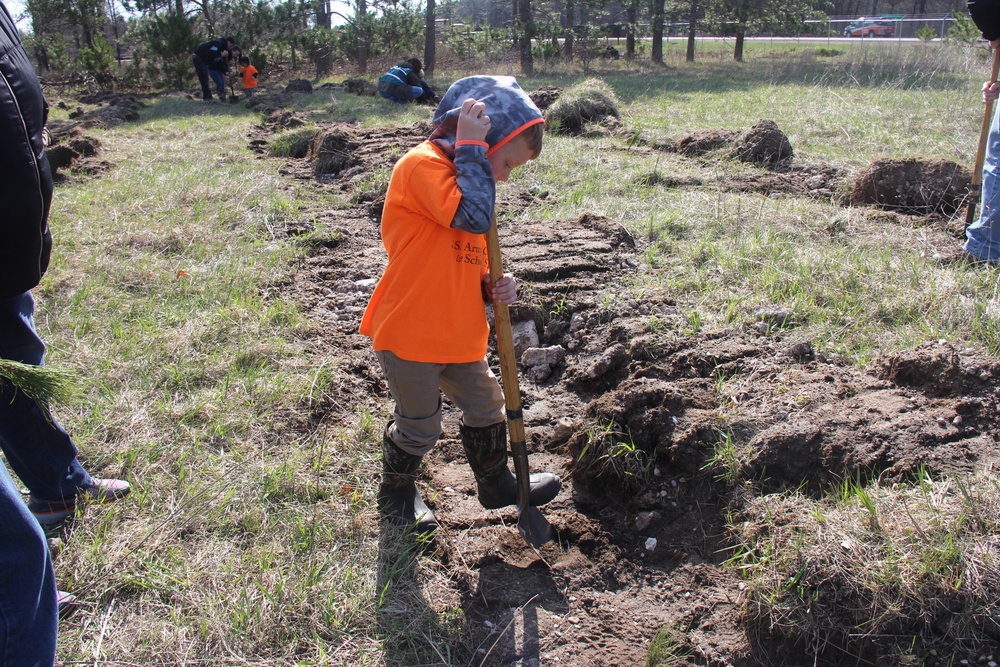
{"x": 591, "y": 101}
{"x": 913, "y": 185}
{"x": 73, "y": 150}
{"x": 332, "y": 151}
{"x": 298, "y": 86}
{"x": 764, "y": 144}
{"x": 545, "y": 97}
{"x": 360, "y": 87}
{"x": 699, "y": 143}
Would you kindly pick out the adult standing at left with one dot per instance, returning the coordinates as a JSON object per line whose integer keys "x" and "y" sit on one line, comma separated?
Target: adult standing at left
{"x": 28, "y": 616}
{"x": 211, "y": 60}
{"x": 37, "y": 448}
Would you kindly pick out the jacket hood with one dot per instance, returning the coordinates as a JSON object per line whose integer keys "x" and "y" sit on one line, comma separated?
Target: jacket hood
{"x": 508, "y": 106}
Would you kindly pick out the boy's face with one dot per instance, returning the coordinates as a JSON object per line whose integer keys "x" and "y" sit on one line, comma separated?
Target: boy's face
{"x": 509, "y": 157}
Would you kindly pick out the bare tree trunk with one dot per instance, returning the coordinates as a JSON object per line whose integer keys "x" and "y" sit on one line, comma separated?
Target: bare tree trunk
{"x": 430, "y": 45}
{"x": 657, "y": 30}
{"x": 517, "y": 33}
{"x": 362, "y": 17}
{"x": 630, "y": 31}
{"x": 524, "y": 18}
{"x": 324, "y": 58}
{"x": 692, "y": 29}
{"x": 741, "y": 33}
{"x": 570, "y": 21}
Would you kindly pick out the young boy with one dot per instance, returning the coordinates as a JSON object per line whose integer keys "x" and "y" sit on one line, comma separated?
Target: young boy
{"x": 249, "y": 74}
{"x": 427, "y": 317}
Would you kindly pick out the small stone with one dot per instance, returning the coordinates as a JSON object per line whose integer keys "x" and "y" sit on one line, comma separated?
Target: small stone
{"x": 644, "y": 520}
{"x": 650, "y": 544}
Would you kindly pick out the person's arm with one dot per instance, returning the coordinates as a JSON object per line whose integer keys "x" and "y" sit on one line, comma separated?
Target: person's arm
{"x": 474, "y": 173}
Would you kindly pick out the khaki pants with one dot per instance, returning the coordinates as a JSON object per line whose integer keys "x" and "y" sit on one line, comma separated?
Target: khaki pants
{"x": 416, "y": 388}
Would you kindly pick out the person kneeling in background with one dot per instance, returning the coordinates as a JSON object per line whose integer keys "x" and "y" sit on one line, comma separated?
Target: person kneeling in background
{"x": 404, "y": 82}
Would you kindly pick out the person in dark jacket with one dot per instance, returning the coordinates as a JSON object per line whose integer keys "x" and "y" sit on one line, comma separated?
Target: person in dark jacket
{"x": 404, "y": 82}
{"x": 28, "y": 617}
{"x": 37, "y": 448}
{"x": 983, "y": 236}
{"x": 211, "y": 60}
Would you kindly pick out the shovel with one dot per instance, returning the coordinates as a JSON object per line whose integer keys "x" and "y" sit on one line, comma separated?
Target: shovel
{"x": 975, "y": 188}
{"x": 233, "y": 99}
{"x": 534, "y": 528}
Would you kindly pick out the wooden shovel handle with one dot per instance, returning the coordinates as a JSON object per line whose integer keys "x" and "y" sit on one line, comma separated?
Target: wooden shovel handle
{"x": 984, "y": 132}
{"x": 508, "y": 373}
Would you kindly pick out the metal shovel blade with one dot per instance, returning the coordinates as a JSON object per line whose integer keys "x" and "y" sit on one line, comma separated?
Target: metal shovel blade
{"x": 534, "y": 527}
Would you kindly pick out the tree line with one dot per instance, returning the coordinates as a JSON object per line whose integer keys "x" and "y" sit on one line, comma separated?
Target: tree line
{"x": 148, "y": 43}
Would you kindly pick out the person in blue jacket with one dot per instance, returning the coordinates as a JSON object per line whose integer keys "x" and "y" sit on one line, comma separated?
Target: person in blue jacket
{"x": 404, "y": 82}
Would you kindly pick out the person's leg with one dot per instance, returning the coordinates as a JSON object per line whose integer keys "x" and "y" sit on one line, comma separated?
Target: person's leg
{"x": 983, "y": 236}
{"x": 414, "y": 430}
{"x": 202, "y": 71}
{"x": 28, "y": 612}
{"x": 417, "y": 414}
{"x": 38, "y": 449}
{"x": 427, "y": 93}
{"x": 474, "y": 390}
{"x": 220, "y": 82}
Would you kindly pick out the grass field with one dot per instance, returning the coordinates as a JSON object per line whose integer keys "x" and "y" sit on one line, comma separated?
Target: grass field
{"x": 250, "y": 537}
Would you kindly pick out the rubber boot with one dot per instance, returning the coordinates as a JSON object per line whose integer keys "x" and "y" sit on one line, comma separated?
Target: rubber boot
{"x": 486, "y": 450}
{"x": 398, "y": 498}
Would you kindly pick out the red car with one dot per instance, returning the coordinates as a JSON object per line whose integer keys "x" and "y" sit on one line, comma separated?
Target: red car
{"x": 870, "y": 29}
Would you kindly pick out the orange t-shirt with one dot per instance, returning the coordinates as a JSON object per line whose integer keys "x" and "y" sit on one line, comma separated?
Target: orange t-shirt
{"x": 249, "y": 77}
{"x": 428, "y": 305}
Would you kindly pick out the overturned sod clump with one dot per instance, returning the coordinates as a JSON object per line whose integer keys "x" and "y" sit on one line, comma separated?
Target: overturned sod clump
{"x": 588, "y": 102}
{"x": 294, "y": 144}
{"x": 874, "y": 573}
{"x": 913, "y": 186}
{"x": 763, "y": 145}
{"x": 332, "y": 151}
{"x": 699, "y": 143}
{"x": 360, "y": 87}
{"x": 545, "y": 97}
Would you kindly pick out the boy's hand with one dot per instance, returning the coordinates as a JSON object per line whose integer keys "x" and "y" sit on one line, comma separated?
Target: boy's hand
{"x": 990, "y": 91}
{"x": 505, "y": 290}
{"x": 473, "y": 123}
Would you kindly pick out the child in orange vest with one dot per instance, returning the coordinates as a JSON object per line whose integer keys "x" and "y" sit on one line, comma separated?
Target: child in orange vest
{"x": 427, "y": 316}
{"x": 249, "y": 73}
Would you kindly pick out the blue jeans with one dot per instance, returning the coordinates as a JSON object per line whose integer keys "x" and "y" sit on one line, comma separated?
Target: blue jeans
{"x": 402, "y": 94}
{"x": 28, "y": 614}
{"x": 220, "y": 81}
{"x": 984, "y": 234}
{"x": 38, "y": 449}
